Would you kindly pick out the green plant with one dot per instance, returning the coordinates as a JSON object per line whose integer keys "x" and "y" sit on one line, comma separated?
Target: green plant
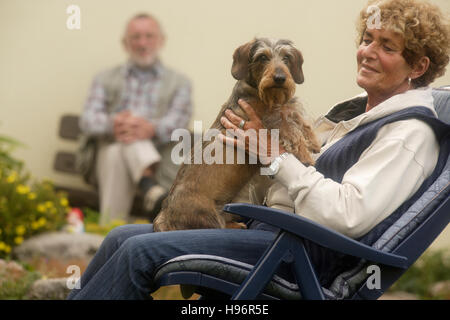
{"x": 7, "y": 145}
{"x": 91, "y": 222}
{"x": 16, "y": 289}
{"x": 27, "y": 206}
{"x": 90, "y": 215}
{"x": 92, "y": 218}
{"x": 432, "y": 267}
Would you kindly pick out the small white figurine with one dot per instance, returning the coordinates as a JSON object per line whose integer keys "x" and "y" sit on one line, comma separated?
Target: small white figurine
{"x": 75, "y": 221}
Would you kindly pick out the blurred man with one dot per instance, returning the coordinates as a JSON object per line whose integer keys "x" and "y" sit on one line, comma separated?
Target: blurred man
{"x": 131, "y": 111}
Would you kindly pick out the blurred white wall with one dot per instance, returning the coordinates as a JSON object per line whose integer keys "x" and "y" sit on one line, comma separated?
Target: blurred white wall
{"x": 46, "y": 69}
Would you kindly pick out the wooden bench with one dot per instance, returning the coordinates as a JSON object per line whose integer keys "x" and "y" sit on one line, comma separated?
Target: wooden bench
{"x": 68, "y": 130}
{"x": 65, "y": 162}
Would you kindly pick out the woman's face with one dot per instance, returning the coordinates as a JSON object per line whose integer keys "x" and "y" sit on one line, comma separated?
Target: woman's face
{"x": 382, "y": 70}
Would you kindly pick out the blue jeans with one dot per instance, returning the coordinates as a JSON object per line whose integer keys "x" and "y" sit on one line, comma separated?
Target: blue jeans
{"x": 124, "y": 265}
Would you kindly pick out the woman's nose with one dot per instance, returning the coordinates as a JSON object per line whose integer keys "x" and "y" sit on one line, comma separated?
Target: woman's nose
{"x": 370, "y": 51}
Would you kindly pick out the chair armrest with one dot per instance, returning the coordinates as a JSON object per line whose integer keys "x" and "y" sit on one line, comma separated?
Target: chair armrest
{"x": 316, "y": 233}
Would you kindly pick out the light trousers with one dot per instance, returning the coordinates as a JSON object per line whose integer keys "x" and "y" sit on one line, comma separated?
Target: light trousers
{"x": 119, "y": 168}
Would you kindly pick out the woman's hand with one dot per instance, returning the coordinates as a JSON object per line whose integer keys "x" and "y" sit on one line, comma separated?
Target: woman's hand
{"x": 254, "y": 138}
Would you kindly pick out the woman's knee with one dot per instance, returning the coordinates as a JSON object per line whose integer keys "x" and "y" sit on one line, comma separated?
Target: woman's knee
{"x": 119, "y": 235}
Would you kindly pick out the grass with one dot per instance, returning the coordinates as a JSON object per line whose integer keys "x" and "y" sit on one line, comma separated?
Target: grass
{"x": 171, "y": 293}
{"x": 14, "y": 284}
{"x": 432, "y": 267}
{"x": 17, "y": 289}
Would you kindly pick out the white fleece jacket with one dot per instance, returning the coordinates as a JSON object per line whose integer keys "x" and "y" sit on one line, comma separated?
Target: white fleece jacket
{"x": 389, "y": 171}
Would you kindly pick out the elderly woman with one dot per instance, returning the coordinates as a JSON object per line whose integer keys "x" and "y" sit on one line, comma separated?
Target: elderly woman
{"x": 371, "y": 162}
{"x": 395, "y": 65}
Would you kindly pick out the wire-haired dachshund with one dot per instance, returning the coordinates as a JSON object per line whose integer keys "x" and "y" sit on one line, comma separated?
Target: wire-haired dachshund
{"x": 267, "y": 71}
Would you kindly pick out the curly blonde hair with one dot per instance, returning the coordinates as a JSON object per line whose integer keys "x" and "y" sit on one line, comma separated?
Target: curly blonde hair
{"x": 423, "y": 26}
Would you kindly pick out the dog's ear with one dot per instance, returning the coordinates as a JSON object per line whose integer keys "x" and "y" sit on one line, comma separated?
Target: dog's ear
{"x": 296, "y": 67}
{"x": 241, "y": 59}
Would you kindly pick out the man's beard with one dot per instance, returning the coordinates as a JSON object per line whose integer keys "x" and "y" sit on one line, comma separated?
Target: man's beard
{"x": 143, "y": 61}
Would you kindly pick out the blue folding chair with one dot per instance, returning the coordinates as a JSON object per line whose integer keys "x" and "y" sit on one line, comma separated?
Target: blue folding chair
{"x": 393, "y": 253}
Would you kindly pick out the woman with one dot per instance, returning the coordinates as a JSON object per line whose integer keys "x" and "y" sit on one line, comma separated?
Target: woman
{"x": 395, "y": 63}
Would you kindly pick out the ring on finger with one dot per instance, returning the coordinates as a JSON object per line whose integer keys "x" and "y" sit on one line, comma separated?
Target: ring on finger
{"x": 242, "y": 124}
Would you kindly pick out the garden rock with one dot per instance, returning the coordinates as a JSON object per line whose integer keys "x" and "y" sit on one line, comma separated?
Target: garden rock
{"x": 59, "y": 245}
{"x": 10, "y": 270}
{"x": 399, "y": 295}
{"x": 441, "y": 289}
{"x": 48, "y": 289}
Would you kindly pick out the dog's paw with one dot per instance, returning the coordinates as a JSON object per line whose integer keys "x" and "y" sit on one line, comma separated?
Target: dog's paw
{"x": 235, "y": 225}
{"x": 314, "y": 147}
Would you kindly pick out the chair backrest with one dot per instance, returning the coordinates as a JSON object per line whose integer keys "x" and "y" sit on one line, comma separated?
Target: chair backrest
{"x": 411, "y": 234}
{"x": 442, "y": 103}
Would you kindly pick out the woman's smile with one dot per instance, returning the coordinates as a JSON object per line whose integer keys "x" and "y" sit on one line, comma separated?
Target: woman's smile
{"x": 367, "y": 69}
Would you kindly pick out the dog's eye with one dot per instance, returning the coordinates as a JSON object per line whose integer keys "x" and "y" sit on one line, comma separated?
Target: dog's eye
{"x": 263, "y": 58}
{"x": 286, "y": 60}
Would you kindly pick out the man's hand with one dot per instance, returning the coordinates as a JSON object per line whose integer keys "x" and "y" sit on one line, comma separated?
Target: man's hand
{"x": 141, "y": 128}
{"x": 120, "y": 128}
{"x": 129, "y": 128}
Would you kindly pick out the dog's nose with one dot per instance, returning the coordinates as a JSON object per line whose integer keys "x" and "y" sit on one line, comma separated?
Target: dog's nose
{"x": 279, "y": 78}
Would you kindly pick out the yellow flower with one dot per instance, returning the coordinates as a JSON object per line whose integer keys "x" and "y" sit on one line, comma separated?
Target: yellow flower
{"x": 42, "y": 221}
{"x": 2, "y": 246}
{"x": 7, "y": 249}
{"x": 38, "y": 223}
{"x": 32, "y": 196}
{"x": 117, "y": 222}
{"x": 12, "y": 177}
{"x": 49, "y": 204}
{"x": 141, "y": 221}
{"x": 41, "y": 208}
{"x": 21, "y": 189}
{"x": 18, "y": 240}
{"x": 20, "y": 230}
{"x": 64, "y": 202}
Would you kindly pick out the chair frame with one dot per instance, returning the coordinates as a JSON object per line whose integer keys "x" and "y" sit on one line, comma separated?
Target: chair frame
{"x": 289, "y": 244}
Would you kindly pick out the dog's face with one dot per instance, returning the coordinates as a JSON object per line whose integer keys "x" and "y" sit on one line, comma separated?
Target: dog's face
{"x": 271, "y": 66}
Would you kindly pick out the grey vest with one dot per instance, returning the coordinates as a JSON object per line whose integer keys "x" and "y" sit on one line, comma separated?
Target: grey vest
{"x": 114, "y": 81}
